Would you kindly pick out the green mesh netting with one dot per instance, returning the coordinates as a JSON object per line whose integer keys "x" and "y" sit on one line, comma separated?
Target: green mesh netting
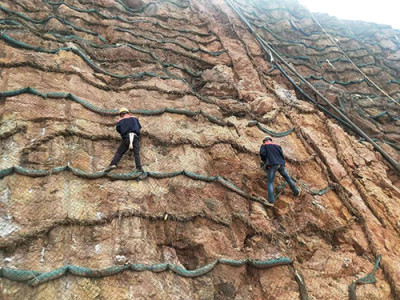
{"x": 139, "y": 75}
{"x": 167, "y": 41}
{"x": 129, "y": 176}
{"x": 130, "y": 10}
{"x": 273, "y": 20}
{"x": 144, "y": 112}
{"x": 134, "y": 11}
{"x": 45, "y": 20}
{"x": 35, "y": 278}
{"x": 15, "y": 43}
{"x": 284, "y": 43}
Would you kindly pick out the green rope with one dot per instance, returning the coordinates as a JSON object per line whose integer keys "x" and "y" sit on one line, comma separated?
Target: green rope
{"x": 337, "y": 81}
{"x": 9, "y": 22}
{"x": 34, "y": 278}
{"x": 343, "y": 60}
{"x": 392, "y": 144}
{"x": 384, "y": 113}
{"x": 397, "y": 147}
{"x": 272, "y": 133}
{"x": 315, "y": 192}
{"x": 370, "y": 278}
{"x": 279, "y": 189}
{"x": 393, "y": 81}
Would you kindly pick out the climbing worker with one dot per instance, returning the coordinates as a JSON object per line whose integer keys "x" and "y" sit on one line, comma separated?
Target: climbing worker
{"x": 273, "y": 160}
{"x": 129, "y": 128}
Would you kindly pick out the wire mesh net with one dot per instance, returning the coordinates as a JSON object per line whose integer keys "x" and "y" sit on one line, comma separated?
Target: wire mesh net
{"x": 68, "y": 227}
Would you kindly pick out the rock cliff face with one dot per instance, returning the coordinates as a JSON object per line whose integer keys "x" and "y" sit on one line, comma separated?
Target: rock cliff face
{"x": 205, "y": 94}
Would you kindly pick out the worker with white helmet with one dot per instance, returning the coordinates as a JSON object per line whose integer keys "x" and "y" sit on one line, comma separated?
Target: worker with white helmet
{"x": 129, "y": 128}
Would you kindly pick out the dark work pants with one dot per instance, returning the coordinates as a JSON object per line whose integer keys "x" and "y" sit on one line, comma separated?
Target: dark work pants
{"x": 271, "y": 171}
{"x": 124, "y": 147}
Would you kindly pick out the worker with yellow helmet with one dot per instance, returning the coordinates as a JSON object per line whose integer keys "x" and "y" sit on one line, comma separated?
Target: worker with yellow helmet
{"x": 129, "y": 128}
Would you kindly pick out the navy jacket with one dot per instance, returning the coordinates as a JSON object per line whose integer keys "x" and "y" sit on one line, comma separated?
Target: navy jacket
{"x": 272, "y": 154}
{"x": 128, "y": 124}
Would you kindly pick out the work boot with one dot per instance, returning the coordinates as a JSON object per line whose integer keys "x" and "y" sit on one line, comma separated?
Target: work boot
{"x": 109, "y": 168}
{"x": 139, "y": 169}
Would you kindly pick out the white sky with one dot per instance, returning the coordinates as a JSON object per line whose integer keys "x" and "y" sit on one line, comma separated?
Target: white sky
{"x": 381, "y": 11}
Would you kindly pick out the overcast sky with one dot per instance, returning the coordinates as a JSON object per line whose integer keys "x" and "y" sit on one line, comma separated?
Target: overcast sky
{"x": 381, "y": 11}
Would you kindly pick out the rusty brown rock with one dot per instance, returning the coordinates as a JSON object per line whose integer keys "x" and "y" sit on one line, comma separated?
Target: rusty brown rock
{"x": 48, "y": 222}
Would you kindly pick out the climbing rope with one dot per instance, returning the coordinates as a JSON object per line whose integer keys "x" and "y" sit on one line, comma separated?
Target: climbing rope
{"x": 34, "y": 278}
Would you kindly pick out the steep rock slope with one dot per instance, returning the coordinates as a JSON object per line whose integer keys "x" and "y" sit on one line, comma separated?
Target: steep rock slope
{"x": 205, "y": 95}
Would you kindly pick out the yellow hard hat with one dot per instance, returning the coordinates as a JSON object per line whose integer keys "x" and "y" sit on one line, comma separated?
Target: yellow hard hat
{"x": 123, "y": 110}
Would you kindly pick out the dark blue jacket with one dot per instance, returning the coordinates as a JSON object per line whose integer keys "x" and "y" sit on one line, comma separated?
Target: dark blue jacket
{"x": 272, "y": 154}
{"x": 128, "y": 124}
